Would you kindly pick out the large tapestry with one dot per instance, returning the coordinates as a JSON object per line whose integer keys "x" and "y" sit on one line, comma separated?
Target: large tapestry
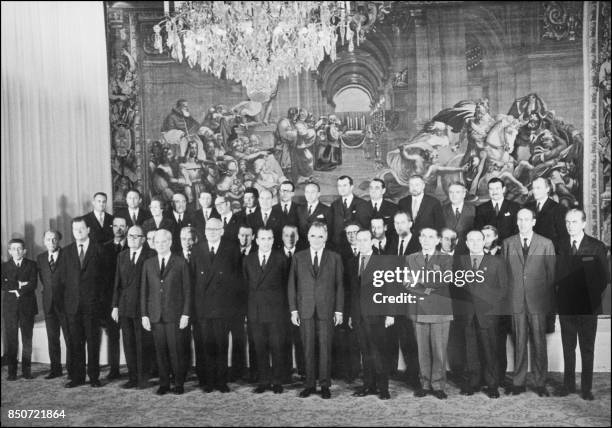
{"x": 457, "y": 91}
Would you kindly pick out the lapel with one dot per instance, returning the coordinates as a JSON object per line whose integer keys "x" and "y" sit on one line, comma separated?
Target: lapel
{"x": 502, "y": 209}
{"x": 519, "y": 247}
{"x": 169, "y": 263}
{"x": 88, "y": 254}
{"x": 309, "y": 262}
{"x": 535, "y": 241}
{"x": 416, "y": 215}
{"x": 266, "y": 269}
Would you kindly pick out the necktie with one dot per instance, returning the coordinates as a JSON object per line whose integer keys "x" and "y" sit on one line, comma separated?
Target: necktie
{"x": 133, "y": 257}
{"x": 117, "y": 247}
{"x": 134, "y": 217}
{"x": 380, "y": 248}
{"x": 457, "y": 213}
{"x": 496, "y": 209}
{"x": 574, "y": 248}
{"x": 52, "y": 263}
{"x": 415, "y": 207}
{"x": 18, "y": 264}
{"x": 289, "y": 254}
{"x": 426, "y": 259}
{"x": 475, "y": 263}
{"x": 81, "y": 254}
{"x": 539, "y": 206}
{"x": 354, "y": 251}
{"x": 525, "y": 247}
{"x": 212, "y": 252}
{"x": 265, "y": 219}
{"x": 401, "y": 249}
{"x": 309, "y": 209}
{"x": 163, "y": 267}
{"x": 263, "y": 262}
{"x": 188, "y": 256}
{"x": 206, "y": 215}
{"x": 362, "y": 265}
{"x": 345, "y": 204}
{"x": 376, "y": 207}
{"x": 286, "y": 211}
{"x": 315, "y": 264}
{"x": 180, "y": 220}
{"x": 224, "y": 222}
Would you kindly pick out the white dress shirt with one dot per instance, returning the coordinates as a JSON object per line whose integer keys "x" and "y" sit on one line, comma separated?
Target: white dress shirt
{"x": 312, "y": 255}
{"x": 349, "y": 200}
{"x": 138, "y": 251}
{"x": 261, "y": 255}
{"x": 528, "y": 237}
{"x": 416, "y": 204}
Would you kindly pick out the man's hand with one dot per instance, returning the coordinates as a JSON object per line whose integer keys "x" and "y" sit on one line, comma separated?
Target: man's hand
{"x": 184, "y": 321}
{"x": 350, "y": 323}
{"x": 389, "y": 321}
{"x": 115, "y": 314}
{"x": 15, "y": 292}
{"x": 295, "y": 318}
{"x": 337, "y": 318}
{"x": 146, "y": 324}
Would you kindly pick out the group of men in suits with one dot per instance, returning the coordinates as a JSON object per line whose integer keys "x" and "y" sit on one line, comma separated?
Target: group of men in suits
{"x": 289, "y": 276}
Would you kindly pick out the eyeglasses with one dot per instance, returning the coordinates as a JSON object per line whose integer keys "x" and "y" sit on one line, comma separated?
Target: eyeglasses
{"x": 135, "y": 236}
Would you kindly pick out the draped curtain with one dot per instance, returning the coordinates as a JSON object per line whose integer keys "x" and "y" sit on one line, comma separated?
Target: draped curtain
{"x": 55, "y": 117}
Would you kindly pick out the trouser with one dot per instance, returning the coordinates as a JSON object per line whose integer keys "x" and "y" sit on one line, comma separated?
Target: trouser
{"x": 56, "y": 322}
{"x": 84, "y": 330}
{"x": 504, "y": 328}
{"x": 293, "y": 339}
{"x": 581, "y": 329}
{"x": 373, "y": 344}
{"x": 187, "y": 336}
{"x": 345, "y": 352}
{"x": 312, "y": 329}
{"x": 13, "y": 322}
{"x": 149, "y": 362}
{"x": 432, "y": 339}
{"x": 528, "y": 325}
{"x": 484, "y": 334}
{"x": 239, "y": 347}
{"x": 113, "y": 347}
{"x": 401, "y": 335}
{"x": 457, "y": 345}
{"x": 215, "y": 333}
{"x": 169, "y": 345}
{"x": 269, "y": 338}
{"x": 132, "y": 347}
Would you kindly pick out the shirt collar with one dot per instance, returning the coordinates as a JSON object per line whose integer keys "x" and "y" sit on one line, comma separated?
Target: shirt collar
{"x": 457, "y": 206}
{"x": 349, "y": 200}
{"x": 578, "y": 240}
{"x": 165, "y": 256}
{"x": 289, "y": 249}
{"x": 312, "y": 252}
{"x": 133, "y": 211}
{"x": 263, "y": 213}
{"x": 429, "y": 253}
{"x": 176, "y": 215}
{"x": 528, "y": 237}
{"x": 313, "y": 206}
{"x": 84, "y": 244}
{"x": 477, "y": 255}
{"x": 378, "y": 202}
{"x": 214, "y": 245}
{"x": 246, "y": 250}
{"x": 282, "y": 205}
{"x": 267, "y": 254}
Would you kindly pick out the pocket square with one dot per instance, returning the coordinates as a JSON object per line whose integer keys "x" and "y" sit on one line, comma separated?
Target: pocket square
{"x": 507, "y": 214}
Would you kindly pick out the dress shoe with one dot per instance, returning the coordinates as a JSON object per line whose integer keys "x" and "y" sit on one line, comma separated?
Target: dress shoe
{"x": 467, "y": 390}
{"x": 325, "y": 393}
{"x": 73, "y": 384}
{"x": 95, "y": 383}
{"x": 491, "y": 392}
{"x": 306, "y": 392}
{"x": 518, "y": 390}
{"x": 178, "y": 390}
{"x": 28, "y": 375}
{"x": 587, "y": 395}
{"x": 113, "y": 375}
{"x": 162, "y": 390}
{"x": 362, "y": 392}
{"x": 439, "y": 394}
{"x": 384, "y": 395}
{"x": 11, "y": 377}
{"x": 223, "y": 388}
{"x": 277, "y": 389}
{"x": 564, "y": 391}
{"x": 542, "y": 391}
{"x": 129, "y": 384}
{"x": 53, "y": 375}
{"x": 208, "y": 389}
{"x": 143, "y": 384}
{"x": 261, "y": 389}
{"x": 420, "y": 393}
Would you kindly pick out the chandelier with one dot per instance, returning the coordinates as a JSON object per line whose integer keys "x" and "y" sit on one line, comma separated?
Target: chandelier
{"x": 258, "y": 42}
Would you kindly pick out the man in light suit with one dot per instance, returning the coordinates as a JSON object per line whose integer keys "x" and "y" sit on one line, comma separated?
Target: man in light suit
{"x": 531, "y": 272}
{"x": 165, "y": 304}
{"x": 316, "y": 300}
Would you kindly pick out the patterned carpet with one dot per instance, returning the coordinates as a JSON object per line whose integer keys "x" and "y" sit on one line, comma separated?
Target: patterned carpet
{"x": 113, "y": 406}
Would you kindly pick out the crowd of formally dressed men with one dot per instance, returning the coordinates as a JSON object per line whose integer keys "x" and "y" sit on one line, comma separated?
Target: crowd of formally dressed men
{"x": 290, "y": 280}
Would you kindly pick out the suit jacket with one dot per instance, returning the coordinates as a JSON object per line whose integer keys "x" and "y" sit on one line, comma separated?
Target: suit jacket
{"x": 51, "y": 293}
{"x": 291, "y": 218}
{"x": 581, "y": 279}
{"x": 356, "y": 212}
{"x": 126, "y": 293}
{"x": 111, "y": 252}
{"x": 531, "y": 281}
{"x": 429, "y": 215}
{"x": 25, "y": 304}
{"x": 393, "y": 243}
{"x": 550, "y": 221}
{"x": 218, "y": 287}
{"x": 242, "y": 214}
{"x": 505, "y": 221}
{"x": 97, "y": 233}
{"x": 483, "y": 299}
{"x": 175, "y": 228}
{"x": 199, "y": 221}
{"x": 165, "y": 298}
{"x": 230, "y": 231}
{"x": 323, "y": 292}
{"x": 143, "y": 214}
{"x": 267, "y": 291}
{"x": 274, "y": 222}
{"x": 82, "y": 286}
{"x": 462, "y": 226}
{"x": 436, "y": 307}
{"x": 165, "y": 223}
{"x": 386, "y": 210}
{"x": 321, "y": 213}
{"x": 360, "y": 303}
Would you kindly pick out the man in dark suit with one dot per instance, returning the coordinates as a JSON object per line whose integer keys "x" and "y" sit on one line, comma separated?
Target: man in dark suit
{"x": 531, "y": 270}
{"x": 550, "y": 215}
{"x": 19, "y": 307}
{"x": 126, "y": 304}
{"x": 265, "y": 274}
{"x": 53, "y": 302}
{"x": 401, "y": 334}
{"x": 582, "y": 276}
{"x": 379, "y": 207}
{"x": 100, "y": 222}
{"x": 316, "y": 301}
{"x": 188, "y": 239}
{"x": 157, "y": 220}
{"x": 206, "y": 211}
{"x": 286, "y": 209}
{"x": 266, "y": 217}
{"x": 250, "y": 204}
{"x": 217, "y": 288}
{"x": 369, "y": 326}
{"x": 133, "y": 214}
{"x": 424, "y": 210}
{"x": 459, "y": 215}
{"x": 379, "y": 234}
{"x": 111, "y": 250}
{"x": 480, "y": 305}
{"x": 165, "y": 305}
{"x": 314, "y": 210}
{"x": 81, "y": 281}
{"x": 230, "y": 222}
{"x": 179, "y": 218}
{"x": 345, "y": 209}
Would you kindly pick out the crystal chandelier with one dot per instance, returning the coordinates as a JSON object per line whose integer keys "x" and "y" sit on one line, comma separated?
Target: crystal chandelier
{"x": 257, "y": 42}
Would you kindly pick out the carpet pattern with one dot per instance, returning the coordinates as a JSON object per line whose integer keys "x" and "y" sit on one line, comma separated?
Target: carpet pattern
{"x": 113, "y": 406}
